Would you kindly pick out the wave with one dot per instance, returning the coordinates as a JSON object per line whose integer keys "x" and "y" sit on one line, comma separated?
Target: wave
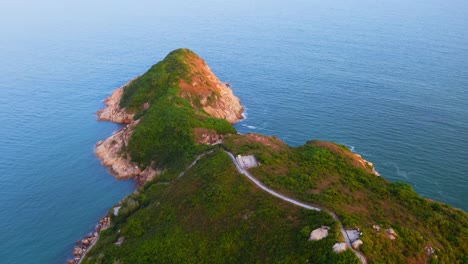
{"x": 249, "y": 126}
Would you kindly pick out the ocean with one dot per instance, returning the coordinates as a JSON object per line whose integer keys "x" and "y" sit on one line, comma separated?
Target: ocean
{"x": 389, "y": 79}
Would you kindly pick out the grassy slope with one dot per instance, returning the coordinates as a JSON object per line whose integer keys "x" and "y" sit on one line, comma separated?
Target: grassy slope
{"x": 214, "y": 215}
{"x": 316, "y": 174}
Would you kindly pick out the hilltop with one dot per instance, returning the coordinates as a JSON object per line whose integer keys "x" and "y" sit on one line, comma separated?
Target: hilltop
{"x": 195, "y": 206}
{"x": 177, "y": 104}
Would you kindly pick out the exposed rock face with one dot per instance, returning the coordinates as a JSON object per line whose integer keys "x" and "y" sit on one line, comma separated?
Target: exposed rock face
{"x": 206, "y": 90}
{"x": 227, "y": 106}
{"x": 147, "y": 175}
{"x": 319, "y": 233}
{"x": 339, "y": 247}
{"x": 112, "y": 112}
{"x": 366, "y": 164}
{"x": 109, "y": 151}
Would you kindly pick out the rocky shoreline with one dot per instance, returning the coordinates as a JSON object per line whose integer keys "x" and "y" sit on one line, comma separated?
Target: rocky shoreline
{"x": 109, "y": 151}
{"x": 84, "y": 245}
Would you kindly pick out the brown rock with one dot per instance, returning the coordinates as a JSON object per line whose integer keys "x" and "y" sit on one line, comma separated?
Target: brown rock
{"x": 109, "y": 152}
{"x": 216, "y": 98}
{"x": 85, "y": 242}
{"x": 391, "y": 234}
{"x": 77, "y": 251}
{"x": 356, "y": 244}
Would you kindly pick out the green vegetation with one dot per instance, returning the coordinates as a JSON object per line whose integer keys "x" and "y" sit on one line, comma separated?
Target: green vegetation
{"x": 319, "y": 173}
{"x": 165, "y": 132}
{"x": 214, "y": 215}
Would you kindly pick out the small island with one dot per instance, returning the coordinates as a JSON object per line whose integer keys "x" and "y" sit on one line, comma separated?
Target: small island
{"x": 198, "y": 203}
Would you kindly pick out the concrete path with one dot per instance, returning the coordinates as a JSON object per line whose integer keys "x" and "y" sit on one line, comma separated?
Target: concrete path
{"x": 257, "y": 182}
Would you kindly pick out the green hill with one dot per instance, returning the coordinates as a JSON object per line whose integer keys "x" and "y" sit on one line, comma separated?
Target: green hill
{"x": 213, "y": 214}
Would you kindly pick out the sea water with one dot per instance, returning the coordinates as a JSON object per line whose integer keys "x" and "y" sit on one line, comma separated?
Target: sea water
{"x": 389, "y": 79}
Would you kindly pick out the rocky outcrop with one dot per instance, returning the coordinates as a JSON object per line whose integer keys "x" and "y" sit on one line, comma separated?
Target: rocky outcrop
{"x": 112, "y": 112}
{"x": 147, "y": 175}
{"x": 227, "y": 106}
{"x": 207, "y": 136}
{"x": 110, "y": 153}
{"x": 204, "y": 90}
{"x": 366, "y": 164}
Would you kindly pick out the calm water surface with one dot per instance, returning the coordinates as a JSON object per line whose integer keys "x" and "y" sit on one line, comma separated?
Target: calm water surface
{"x": 387, "y": 78}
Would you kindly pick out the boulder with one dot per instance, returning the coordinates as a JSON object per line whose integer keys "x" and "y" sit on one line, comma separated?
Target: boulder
{"x": 391, "y": 234}
{"x": 85, "y": 242}
{"x": 77, "y": 251}
{"x": 318, "y": 234}
{"x": 119, "y": 241}
{"x": 356, "y": 244}
{"x": 339, "y": 247}
{"x": 116, "y": 210}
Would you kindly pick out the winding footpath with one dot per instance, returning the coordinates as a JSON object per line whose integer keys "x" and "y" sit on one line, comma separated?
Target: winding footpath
{"x": 262, "y": 186}
{"x": 194, "y": 162}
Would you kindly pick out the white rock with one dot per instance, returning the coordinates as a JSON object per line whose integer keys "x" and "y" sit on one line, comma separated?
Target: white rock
{"x": 318, "y": 234}
{"x": 119, "y": 241}
{"x": 339, "y": 247}
{"x": 116, "y": 210}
